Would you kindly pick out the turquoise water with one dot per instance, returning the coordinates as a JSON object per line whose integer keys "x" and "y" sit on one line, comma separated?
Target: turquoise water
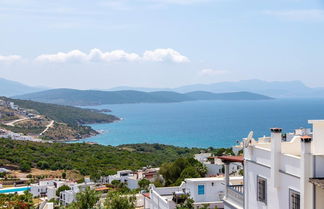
{"x": 19, "y": 189}
{"x": 204, "y": 123}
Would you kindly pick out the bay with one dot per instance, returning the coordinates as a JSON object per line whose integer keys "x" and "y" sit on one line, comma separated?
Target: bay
{"x": 204, "y": 123}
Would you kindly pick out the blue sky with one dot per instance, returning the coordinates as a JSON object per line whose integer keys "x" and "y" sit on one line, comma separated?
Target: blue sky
{"x": 160, "y": 43}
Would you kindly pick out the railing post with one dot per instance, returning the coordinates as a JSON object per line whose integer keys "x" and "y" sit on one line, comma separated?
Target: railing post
{"x": 226, "y": 165}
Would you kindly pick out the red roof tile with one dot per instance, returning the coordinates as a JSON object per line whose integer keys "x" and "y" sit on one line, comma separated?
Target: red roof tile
{"x": 232, "y": 158}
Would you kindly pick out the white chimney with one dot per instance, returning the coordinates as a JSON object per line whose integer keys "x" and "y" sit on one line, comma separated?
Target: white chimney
{"x": 275, "y": 155}
{"x": 306, "y": 168}
{"x": 318, "y": 137}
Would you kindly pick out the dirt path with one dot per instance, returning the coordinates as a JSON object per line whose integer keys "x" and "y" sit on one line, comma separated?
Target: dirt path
{"x": 47, "y": 127}
{"x": 12, "y": 123}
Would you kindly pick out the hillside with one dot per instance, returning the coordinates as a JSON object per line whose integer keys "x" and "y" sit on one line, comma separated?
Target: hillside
{"x": 67, "y": 114}
{"x": 37, "y": 121}
{"x": 92, "y": 97}
{"x": 89, "y": 159}
{"x": 11, "y": 88}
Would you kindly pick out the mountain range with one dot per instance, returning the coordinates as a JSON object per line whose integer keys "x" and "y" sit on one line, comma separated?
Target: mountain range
{"x": 277, "y": 89}
{"x": 94, "y": 97}
{"x": 125, "y": 94}
{"x": 11, "y": 88}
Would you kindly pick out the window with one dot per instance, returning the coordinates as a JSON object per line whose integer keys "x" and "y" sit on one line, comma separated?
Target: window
{"x": 262, "y": 189}
{"x": 294, "y": 199}
{"x": 201, "y": 189}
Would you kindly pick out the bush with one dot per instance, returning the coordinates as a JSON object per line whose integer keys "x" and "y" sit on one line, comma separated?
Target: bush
{"x": 43, "y": 165}
{"x": 25, "y": 167}
{"x": 144, "y": 184}
{"x": 117, "y": 200}
{"x": 61, "y": 189}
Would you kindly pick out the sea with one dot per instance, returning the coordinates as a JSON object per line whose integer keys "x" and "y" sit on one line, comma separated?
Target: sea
{"x": 204, "y": 123}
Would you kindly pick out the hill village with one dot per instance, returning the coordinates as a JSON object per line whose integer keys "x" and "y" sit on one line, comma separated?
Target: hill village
{"x": 282, "y": 170}
{"x": 13, "y": 116}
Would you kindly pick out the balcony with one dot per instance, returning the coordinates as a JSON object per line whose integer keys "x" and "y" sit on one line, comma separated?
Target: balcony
{"x": 235, "y": 194}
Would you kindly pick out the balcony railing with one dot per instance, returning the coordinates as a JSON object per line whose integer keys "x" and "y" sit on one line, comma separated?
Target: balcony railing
{"x": 235, "y": 193}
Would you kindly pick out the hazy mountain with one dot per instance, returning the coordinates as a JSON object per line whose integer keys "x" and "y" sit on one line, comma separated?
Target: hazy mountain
{"x": 11, "y": 88}
{"x": 93, "y": 97}
{"x": 278, "y": 89}
{"x": 274, "y": 88}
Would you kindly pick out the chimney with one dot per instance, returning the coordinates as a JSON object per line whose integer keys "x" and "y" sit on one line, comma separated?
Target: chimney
{"x": 306, "y": 169}
{"x": 275, "y": 155}
{"x": 318, "y": 137}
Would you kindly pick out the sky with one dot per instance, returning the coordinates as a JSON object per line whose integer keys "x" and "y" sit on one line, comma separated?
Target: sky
{"x": 100, "y": 44}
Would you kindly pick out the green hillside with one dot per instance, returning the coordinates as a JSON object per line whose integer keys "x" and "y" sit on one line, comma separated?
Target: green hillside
{"x": 88, "y": 159}
{"x": 73, "y": 116}
{"x": 93, "y": 97}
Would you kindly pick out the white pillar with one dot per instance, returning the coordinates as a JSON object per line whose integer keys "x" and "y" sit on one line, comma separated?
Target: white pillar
{"x": 275, "y": 155}
{"x": 306, "y": 168}
{"x": 226, "y": 166}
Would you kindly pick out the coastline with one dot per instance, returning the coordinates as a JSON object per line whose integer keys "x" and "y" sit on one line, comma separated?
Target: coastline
{"x": 87, "y": 137}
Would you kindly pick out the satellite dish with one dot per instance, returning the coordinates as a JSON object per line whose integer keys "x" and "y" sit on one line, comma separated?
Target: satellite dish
{"x": 248, "y": 139}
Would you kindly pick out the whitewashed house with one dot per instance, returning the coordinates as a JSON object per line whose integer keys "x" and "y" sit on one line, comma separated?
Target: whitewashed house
{"x": 203, "y": 191}
{"x": 214, "y": 165}
{"x": 125, "y": 176}
{"x": 283, "y": 172}
{"x": 46, "y": 188}
{"x": 131, "y": 178}
{"x": 68, "y": 196}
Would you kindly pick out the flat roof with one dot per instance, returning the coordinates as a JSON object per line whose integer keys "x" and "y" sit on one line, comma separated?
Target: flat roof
{"x": 212, "y": 179}
{"x": 315, "y": 121}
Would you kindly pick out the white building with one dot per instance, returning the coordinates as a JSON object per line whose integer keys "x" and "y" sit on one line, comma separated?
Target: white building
{"x": 131, "y": 178}
{"x": 46, "y": 188}
{"x": 282, "y": 172}
{"x": 124, "y": 176}
{"x": 214, "y": 165}
{"x": 201, "y": 190}
{"x": 68, "y": 196}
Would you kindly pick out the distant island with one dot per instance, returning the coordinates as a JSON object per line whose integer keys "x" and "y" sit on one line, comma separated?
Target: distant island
{"x": 35, "y": 121}
{"x": 94, "y": 97}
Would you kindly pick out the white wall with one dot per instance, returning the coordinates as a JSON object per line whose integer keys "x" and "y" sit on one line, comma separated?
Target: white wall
{"x": 319, "y": 198}
{"x": 276, "y": 198}
{"x": 213, "y": 169}
{"x": 212, "y": 190}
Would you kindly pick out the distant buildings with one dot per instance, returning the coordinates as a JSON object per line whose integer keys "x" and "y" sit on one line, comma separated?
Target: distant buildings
{"x": 131, "y": 178}
{"x": 203, "y": 191}
{"x": 214, "y": 165}
{"x": 49, "y": 188}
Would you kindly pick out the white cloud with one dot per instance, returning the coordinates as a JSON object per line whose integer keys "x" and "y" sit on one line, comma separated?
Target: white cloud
{"x": 211, "y": 72}
{"x": 10, "y": 58}
{"x": 160, "y": 55}
{"x": 96, "y": 55}
{"x": 306, "y": 14}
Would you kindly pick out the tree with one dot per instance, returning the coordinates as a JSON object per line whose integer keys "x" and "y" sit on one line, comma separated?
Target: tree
{"x": 119, "y": 201}
{"x": 144, "y": 184}
{"x": 187, "y": 204}
{"x": 15, "y": 201}
{"x": 175, "y": 172}
{"x": 25, "y": 167}
{"x": 86, "y": 199}
{"x": 63, "y": 175}
{"x": 61, "y": 189}
{"x": 43, "y": 165}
